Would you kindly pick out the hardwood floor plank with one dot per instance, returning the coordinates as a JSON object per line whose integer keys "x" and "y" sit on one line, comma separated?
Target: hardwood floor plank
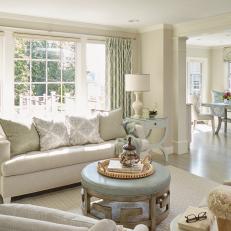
{"x": 209, "y": 156}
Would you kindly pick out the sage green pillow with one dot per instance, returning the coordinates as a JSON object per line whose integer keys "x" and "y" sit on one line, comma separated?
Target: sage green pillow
{"x": 111, "y": 125}
{"x": 23, "y": 137}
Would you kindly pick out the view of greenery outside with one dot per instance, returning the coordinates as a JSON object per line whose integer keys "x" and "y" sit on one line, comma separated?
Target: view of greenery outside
{"x": 44, "y": 66}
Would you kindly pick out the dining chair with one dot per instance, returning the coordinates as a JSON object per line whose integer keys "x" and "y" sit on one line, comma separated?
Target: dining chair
{"x": 220, "y": 112}
{"x": 197, "y": 115}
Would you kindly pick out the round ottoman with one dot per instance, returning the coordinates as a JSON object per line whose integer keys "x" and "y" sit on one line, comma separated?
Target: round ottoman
{"x": 127, "y": 201}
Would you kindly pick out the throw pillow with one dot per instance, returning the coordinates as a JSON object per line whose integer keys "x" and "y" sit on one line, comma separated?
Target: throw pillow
{"x": 23, "y": 137}
{"x": 52, "y": 134}
{"x": 83, "y": 130}
{"x": 217, "y": 96}
{"x": 111, "y": 125}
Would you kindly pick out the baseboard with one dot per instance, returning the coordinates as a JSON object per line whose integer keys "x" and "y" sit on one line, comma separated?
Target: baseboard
{"x": 181, "y": 147}
{"x": 169, "y": 150}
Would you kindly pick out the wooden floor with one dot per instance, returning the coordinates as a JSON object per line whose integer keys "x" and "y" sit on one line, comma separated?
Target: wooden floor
{"x": 209, "y": 156}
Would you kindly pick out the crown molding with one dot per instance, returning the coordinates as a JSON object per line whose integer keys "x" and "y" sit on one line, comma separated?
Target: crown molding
{"x": 198, "y": 47}
{"x": 58, "y": 25}
{"x": 214, "y": 24}
{"x": 155, "y": 27}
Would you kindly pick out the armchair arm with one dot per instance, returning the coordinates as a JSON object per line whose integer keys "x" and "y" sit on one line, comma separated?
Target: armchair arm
{"x": 4, "y": 151}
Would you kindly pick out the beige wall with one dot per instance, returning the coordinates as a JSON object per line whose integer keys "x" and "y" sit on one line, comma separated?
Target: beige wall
{"x": 156, "y": 60}
{"x": 152, "y": 63}
{"x": 218, "y": 70}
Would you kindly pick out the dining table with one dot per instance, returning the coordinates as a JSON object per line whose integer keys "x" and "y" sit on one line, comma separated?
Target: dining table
{"x": 221, "y": 111}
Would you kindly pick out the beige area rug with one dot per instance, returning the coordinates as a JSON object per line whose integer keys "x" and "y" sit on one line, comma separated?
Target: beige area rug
{"x": 186, "y": 189}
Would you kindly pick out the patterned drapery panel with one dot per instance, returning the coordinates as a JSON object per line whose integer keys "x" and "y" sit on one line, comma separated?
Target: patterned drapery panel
{"x": 227, "y": 54}
{"x": 118, "y": 63}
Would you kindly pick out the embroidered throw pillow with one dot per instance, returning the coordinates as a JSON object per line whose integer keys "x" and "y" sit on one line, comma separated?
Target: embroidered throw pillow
{"x": 52, "y": 134}
{"x": 83, "y": 130}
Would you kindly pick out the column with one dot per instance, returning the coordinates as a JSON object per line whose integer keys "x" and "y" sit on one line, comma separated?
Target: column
{"x": 180, "y": 125}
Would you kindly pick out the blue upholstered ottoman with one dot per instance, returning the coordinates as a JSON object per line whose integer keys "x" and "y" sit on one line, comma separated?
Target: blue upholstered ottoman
{"x": 127, "y": 201}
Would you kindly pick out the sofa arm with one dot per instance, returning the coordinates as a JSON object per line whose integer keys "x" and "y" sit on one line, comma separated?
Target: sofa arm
{"x": 4, "y": 151}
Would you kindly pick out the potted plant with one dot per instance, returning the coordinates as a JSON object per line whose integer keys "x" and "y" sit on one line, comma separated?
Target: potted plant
{"x": 227, "y": 97}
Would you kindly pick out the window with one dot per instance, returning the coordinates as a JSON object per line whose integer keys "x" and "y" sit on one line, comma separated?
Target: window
{"x": 96, "y": 76}
{"x": 194, "y": 74}
{"x": 229, "y": 75}
{"x": 44, "y": 74}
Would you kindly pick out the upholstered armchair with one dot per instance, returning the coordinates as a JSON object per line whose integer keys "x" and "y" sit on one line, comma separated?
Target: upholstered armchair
{"x": 197, "y": 115}
{"x": 18, "y": 217}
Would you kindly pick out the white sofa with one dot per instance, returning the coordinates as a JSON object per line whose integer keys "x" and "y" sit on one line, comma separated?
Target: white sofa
{"x": 18, "y": 217}
{"x": 36, "y": 171}
{"x": 41, "y": 170}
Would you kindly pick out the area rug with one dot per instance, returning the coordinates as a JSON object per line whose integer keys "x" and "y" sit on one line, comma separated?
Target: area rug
{"x": 186, "y": 189}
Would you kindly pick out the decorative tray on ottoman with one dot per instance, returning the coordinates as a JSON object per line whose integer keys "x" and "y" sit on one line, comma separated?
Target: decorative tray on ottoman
{"x": 147, "y": 170}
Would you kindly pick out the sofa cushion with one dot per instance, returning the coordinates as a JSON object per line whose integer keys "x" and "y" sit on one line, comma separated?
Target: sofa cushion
{"x": 11, "y": 223}
{"x": 52, "y": 134}
{"x": 60, "y": 157}
{"x": 83, "y": 130}
{"x": 111, "y": 125}
{"x": 23, "y": 136}
{"x": 46, "y": 214}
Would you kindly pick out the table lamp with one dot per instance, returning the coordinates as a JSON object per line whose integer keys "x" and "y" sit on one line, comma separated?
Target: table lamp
{"x": 137, "y": 83}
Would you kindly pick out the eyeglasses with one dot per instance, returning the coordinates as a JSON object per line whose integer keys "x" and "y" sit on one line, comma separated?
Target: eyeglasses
{"x": 193, "y": 218}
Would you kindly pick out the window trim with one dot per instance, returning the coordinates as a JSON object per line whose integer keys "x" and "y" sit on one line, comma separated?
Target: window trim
{"x": 7, "y": 62}
{"x": 204, "y": 76}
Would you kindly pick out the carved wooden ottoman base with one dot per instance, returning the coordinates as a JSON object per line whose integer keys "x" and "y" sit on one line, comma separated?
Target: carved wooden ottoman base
{"x": 127, "y": 211}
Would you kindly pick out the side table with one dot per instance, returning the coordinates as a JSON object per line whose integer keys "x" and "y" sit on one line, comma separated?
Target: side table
{"x": 149, "y": 125}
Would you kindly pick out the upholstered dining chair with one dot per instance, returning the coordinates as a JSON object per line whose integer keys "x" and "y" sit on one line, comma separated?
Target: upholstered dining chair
{"x": 197, "y": 115}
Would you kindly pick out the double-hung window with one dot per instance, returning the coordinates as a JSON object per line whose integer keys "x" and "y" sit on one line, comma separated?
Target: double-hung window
{"x": 194, "y": 77}
{"x": 47, "y": 76}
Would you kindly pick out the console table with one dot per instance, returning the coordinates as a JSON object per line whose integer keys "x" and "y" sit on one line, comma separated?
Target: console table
{"x": 149, "y": 125}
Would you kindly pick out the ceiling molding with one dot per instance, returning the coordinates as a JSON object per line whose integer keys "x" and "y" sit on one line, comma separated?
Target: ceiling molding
{"x": 155, "y": 27}
{"x": 57, "y": 25}
{"x": 207, "y": 25}
{"x": 198, "y": 47}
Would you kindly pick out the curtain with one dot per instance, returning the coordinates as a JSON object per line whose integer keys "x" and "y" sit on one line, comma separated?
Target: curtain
{"x": 227, "y": 54}
{"x": 118, "y": 63}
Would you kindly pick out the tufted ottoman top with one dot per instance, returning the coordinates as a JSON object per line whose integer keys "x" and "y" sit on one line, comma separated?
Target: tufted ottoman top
{"x": 157, "y": 182}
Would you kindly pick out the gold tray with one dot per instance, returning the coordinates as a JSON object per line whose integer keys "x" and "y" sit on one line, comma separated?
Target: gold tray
{"x": 147, "y": 170}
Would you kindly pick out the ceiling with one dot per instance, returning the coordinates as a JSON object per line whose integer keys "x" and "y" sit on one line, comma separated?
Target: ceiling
{"x": 119, "y": 12}
{"x": 211, "y": 40}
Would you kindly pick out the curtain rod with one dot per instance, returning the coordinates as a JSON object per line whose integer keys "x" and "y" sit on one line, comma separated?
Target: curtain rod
{"x": 74, "y": 37}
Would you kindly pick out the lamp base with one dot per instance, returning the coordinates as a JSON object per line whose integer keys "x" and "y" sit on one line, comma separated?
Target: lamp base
{"x": 137, "y": 106}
